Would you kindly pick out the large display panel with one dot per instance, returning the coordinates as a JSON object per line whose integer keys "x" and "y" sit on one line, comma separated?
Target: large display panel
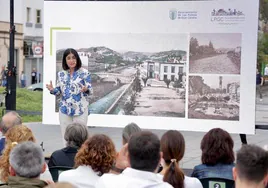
{"x": 165, "y": 65}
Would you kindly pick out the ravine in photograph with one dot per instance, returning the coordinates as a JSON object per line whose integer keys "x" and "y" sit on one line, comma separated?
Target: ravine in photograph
{"x": 134, "y": 80}
{"x": 215, "y": 53}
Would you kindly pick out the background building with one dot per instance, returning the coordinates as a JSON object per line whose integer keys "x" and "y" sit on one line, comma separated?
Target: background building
{"x": 4, "y": 34}
{"x": 32, "y": 14}
{"x": 28, "y": 19}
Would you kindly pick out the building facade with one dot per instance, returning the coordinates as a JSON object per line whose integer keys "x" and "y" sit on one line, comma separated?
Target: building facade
{"x": 32, "y": 14}
{"x": 28, "y": 19}
{"x": 4, "y": 34}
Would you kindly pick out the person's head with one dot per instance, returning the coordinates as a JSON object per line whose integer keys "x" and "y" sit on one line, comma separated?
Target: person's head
{"x": 217, "y": 147}
{"x": 71, "y": 60}
{"x": 251, "y": 167}
{"x": 9, "y": 120}
{"x": 22, "y": 72}
{"x": 16, "y": 134}
{"x": 75, "y": 135}
{"x": 144, "y": 151}
{"x": 128, "y": 131}
{"x": 27, "y": 160}
{"x": 173, "y": 147}
{"x": 98, "y": 152}
{"x": 257, "y": 71}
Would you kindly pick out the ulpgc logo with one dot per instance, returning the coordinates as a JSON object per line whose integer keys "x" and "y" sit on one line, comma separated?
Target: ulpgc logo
{"x": 173, "y": 14}
{"x": 228, "y": 16}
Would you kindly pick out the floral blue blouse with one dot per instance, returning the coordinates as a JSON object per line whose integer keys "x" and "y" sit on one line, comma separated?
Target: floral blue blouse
{"x": 73, "y": 101}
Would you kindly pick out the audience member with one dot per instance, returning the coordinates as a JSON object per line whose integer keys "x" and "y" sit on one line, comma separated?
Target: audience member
{"x": 128, "y": 131}
{"x": 17, "y": 134}
{"x": 61, "y": 185}
{"x": 144, "y": 157}
{"x": 26, "y": 164}
{"x": 75, "y": 135}
{"x": 9, "y": 120}
{"x": 251, "y": 169}
{"x": 217, "y": 155}
{"x": 173, "y": 147}
{"x": 94, "y": 158}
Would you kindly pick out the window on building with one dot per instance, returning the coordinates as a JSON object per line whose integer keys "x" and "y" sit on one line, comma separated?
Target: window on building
{"x": 151, "y": 68}
{"x": 27, "y": 48}
{"x": 38, "y": 16}
{"x": 165, "y": 68}
{"x": 173, "y": 69}
{"x": 180, "y": 70}
{"x": 28, "y": 16}
{"x": 173, "y": 78}
{"x": 165, "y": 77}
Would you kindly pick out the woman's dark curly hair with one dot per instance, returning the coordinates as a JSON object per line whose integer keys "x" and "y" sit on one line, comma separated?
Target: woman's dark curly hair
{"x": 98, "y": 152}
{"x": 217, "y": 147}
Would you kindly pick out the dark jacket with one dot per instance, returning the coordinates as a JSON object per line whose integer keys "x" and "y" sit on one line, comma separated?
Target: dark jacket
{"x": 2, "y": 145}
{"x": 63, "y": 157}
{"x": 216, "y": 171}
{"x": 20, "y": 182}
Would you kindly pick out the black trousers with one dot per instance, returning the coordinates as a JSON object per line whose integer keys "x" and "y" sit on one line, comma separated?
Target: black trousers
{"x": 243, "y": 138}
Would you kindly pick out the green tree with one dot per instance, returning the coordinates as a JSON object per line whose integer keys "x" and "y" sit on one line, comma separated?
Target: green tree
{"x": 264, "y": 10}
{"x": 194, "y": 46}
{"x": 167, "y": 81}
{"x": 262, "y": 47}
{"x": 145, "y": 80}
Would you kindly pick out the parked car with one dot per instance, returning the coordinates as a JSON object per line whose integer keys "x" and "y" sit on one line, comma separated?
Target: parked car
{"x": 36, "y": 87}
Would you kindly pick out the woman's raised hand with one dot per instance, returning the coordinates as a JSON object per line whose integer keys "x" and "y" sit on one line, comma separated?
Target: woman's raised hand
{"x": 50, "y": 86}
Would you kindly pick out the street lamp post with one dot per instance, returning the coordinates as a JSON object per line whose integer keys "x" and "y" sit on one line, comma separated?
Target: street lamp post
{"x": 11, "y": 72}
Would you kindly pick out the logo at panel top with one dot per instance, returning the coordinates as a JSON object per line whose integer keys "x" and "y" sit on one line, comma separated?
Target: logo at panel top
{"x": 173, "y": 14}
{"x": 182, "y": 15}
{"x": 228, "y": 16}
{"x": 229, "y": 12}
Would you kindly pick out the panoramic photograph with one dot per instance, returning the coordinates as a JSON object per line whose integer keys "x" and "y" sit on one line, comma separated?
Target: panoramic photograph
{"x": 131, "y": 74}
{"x": 215, "y": 53}
{"x": 214, "y": 97}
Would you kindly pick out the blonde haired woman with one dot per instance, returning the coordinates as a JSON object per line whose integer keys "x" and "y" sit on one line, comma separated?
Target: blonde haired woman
{"x": 15, "y": 135}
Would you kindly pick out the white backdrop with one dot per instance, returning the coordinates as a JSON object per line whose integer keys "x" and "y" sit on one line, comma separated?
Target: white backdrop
{"x": 153, "y": 18}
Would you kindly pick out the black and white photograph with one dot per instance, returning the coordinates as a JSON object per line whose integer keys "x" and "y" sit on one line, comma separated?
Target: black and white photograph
{"x": 215, "y": 97}
{"x": 215, "y": 53}
{"x": 131, "y": 74}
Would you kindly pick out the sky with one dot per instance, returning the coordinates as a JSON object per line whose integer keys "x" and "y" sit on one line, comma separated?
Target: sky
{"x": 213, "y": 80}
{"x": 123, "y": 42}
{"x": 219, "y": 40}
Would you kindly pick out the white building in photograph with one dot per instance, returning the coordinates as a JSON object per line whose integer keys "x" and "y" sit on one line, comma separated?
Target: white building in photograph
{"x": 162, "y": 71}
{"x": 84, "y": 56}
{"x": 172, "y": 71}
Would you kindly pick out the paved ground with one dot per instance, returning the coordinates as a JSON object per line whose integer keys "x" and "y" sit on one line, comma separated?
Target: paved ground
{"x": 219, "y": 64}
{"x": 159, "y": 101}
{"x": 50, "y": 135}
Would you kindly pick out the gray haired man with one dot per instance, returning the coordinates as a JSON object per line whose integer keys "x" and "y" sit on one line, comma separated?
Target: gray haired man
{"x": 26, "y": 164}
{"x": 9, "y": 120}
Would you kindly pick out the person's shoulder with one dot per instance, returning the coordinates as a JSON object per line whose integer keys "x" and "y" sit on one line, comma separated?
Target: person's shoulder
{"x": 200, "y": 166}
{"x": 190, "y": 182}
{"x": 67, "y": 175}
{"x": 107, "y": 180}
{"x": 165, "y": 185}
{"x": 61, "y": 72}
{"x": 57, "y": 153}
{"x": 81, "y": 69}
{"x": 109, "y": 176}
